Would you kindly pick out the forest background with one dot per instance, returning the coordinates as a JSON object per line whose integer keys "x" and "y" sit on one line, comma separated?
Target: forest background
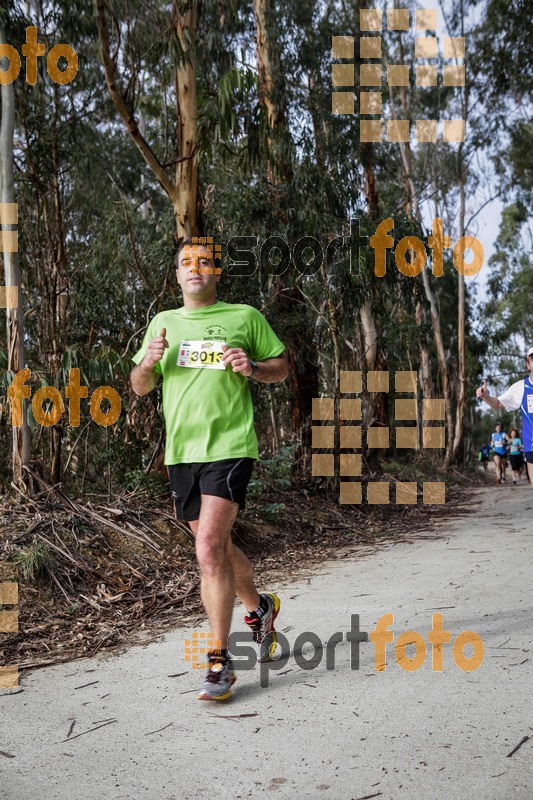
{"x": 215, "y": 118}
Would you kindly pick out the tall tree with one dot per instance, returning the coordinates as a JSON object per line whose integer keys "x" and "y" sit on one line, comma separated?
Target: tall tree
{"x": 21, "y": 443}
{"x": 303, "y": 374}
{"x": 183, "y": 189}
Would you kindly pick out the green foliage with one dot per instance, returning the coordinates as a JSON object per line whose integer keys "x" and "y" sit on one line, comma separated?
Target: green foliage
{"x": 138, "y": 479}
{"x": 271, "y": 477}
{"x": 306, "y": 178}
{"x": 274, "y": 472}
{"x": 36, "y": 561}
{"x": 507, "y": 313}
{"x": 270, "y": 511}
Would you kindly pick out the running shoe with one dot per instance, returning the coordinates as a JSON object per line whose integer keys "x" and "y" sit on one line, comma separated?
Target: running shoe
{"x": 219, "y": 679}
{"x": 262, "y": 627}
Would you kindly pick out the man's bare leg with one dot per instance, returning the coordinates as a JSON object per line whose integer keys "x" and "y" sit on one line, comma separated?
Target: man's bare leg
{"x": 242, "y": 569}
{"x": 530, "y": 472}
{"x": 214, "y": 550}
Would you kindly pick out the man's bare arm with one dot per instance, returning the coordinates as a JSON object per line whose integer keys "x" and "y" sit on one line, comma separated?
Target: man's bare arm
{"x": 493, "y": 402}
{"x": 143, "y": 377}
{"x": 271, "y": 370}
{"x": 482, "y": 393}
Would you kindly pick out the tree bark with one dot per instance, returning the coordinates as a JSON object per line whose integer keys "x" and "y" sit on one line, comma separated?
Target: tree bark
{"x": 453, "y": 452}
{"x": 435, "y": 317}
{"x": 376, "y": 403}
{"x": 186, "y": 197}
{"x": 413, "y": 207}
{"x": 60, "y": 284}
{"x": 272, "y": 91}
{"x": 301, "y": 351}
{"x": 183, "y": 193}
{"x": 21, "y": 443}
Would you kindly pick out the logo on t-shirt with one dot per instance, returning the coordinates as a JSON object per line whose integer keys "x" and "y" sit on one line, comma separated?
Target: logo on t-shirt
{"x": 216, "y": 331}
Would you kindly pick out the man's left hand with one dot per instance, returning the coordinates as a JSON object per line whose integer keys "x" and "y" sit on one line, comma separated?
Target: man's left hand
{"x": 237, "y": 359}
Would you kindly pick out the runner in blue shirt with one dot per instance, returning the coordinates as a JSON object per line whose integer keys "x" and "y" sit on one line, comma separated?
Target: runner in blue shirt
{"x": 499, "y": 441}
{"x": 518, "y": 396}
{"x": 515, "y": 455}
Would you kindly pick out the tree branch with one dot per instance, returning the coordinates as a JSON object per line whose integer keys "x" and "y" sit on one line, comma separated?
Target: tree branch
{"x": 122, "y": 107}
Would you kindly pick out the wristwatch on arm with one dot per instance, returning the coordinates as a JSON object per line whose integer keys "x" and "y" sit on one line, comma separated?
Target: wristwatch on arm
{"x": 255, "y": 366}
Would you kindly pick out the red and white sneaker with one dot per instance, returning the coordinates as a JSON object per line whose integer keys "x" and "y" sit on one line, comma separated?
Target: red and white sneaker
{"x": 263, "y": 631}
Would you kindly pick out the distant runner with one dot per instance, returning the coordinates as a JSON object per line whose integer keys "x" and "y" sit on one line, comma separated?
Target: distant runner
{"x": 499, "y": 441}
{"x": 207, "y": 352}
{"x": 515, "y": 454}
{"x": 484, "y": 454}
{"x": 518, "y": 396}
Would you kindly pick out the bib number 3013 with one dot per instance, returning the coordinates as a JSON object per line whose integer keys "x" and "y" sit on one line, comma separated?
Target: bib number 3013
{"x": 201, "y": 354}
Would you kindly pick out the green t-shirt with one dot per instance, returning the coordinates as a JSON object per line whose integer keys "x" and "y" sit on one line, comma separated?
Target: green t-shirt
{"x": 208, "y": 412}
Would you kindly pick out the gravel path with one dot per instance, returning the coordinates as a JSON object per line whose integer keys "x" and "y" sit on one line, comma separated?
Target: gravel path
{"x": 337, "y": 733}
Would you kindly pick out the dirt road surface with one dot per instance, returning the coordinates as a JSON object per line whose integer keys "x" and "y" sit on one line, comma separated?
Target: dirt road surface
{"x": 137, "y": 731}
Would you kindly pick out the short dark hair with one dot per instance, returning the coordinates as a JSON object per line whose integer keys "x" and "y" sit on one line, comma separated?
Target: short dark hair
{"x": 188, "y": 243}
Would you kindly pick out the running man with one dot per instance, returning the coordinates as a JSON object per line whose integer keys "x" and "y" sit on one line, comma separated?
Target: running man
{"x": 518, "y": 396}
{"x": 206, "y": 353}
{"x": 499, "y": 441}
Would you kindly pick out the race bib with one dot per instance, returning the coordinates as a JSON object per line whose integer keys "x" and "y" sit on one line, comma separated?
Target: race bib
{"x": 201, "y": 354}
{"x": 530, "y": 404}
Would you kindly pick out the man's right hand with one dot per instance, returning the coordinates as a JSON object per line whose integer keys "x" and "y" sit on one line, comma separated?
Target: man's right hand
{"x": 482, "y": 391}
{"x": 156, "y": 350}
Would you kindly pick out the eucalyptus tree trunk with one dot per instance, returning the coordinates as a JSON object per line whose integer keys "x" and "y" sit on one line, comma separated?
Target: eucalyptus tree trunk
{"x": 434, "y": 310}
{"x": 413, "y": 207}
{"x": 21, "y": 445}
{"x": 272, "y": 90}
{"x": 376, "y": 409}
{"x": 186, "y": 197}
{"x": 301, "y": 350}
{"x": 59, "y": 296}
{"x": 183, "y": 190}
{"x": 453, "y": 452}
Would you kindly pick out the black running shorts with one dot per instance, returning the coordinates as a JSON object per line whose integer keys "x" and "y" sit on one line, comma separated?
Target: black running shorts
{"x": 517, "y": 461}
{"x": 228, "y": 478}
{"x": 529, "y": 457}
